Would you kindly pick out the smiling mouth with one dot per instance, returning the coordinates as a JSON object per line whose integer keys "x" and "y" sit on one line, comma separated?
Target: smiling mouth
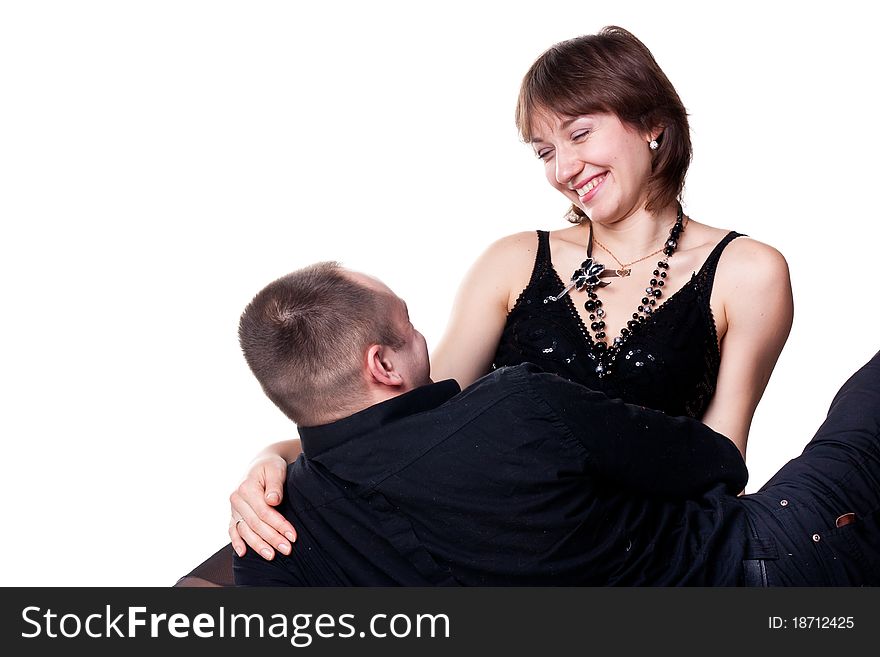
{"x": 590, "y": 186}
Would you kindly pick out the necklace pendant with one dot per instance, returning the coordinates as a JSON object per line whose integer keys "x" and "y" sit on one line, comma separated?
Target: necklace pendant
{"x": 623, "y": 272}
{"x": 588, "y": 275}
{"x": 560, "y": 295}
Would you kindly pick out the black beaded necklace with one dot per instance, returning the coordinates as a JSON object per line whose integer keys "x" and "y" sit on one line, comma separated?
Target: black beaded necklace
{"x": 589, "y": 277}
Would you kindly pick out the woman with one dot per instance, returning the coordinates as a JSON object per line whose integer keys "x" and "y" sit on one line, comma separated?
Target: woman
{"x": 635, "y": 299}
{"x": 689, "y": 319}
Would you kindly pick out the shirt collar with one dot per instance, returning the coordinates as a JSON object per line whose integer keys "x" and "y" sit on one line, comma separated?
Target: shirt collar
{"x": 319, "y": 439}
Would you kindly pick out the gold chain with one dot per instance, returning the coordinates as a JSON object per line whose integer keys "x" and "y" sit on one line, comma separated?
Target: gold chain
{"x": 624, "y": 267}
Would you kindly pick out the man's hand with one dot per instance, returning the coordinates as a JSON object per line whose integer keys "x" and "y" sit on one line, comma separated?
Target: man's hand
{"x": 254, "y": 522}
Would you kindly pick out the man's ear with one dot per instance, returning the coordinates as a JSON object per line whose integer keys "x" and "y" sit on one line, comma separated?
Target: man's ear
{"x": 380, "y": 365}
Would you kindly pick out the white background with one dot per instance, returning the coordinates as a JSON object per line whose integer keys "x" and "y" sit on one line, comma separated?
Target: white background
{"x": 162, "y": 161}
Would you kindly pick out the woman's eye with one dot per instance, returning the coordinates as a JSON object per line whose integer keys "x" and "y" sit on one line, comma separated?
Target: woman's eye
{"x": 580, "y": 134}
{"x": 544, "y": 153}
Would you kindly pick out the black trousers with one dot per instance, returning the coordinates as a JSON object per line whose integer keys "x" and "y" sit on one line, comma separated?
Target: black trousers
{"x": 817, "y": 521}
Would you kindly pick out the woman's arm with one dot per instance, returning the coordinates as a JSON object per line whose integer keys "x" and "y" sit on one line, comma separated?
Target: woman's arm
{"x": 754, "y": 288}
{"x": 261, "y": 526}
{"x": 477, "y": 319}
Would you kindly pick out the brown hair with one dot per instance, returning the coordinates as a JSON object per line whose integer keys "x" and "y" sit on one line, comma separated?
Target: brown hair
{"x": 304, "y": 337}
{"x": 613, "y": 71}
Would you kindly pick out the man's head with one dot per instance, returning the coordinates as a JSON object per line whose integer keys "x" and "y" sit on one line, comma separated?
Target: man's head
{"x": 325, "y": 342}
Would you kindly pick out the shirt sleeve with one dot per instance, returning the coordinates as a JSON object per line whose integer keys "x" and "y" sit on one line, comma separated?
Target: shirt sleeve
{"x": 640, "y": 448}
{"x": 253, "y": 570}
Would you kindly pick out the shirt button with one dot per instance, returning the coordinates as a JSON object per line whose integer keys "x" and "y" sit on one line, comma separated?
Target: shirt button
{"x": 816, "y": 538}
{"x": 783, "y": 502}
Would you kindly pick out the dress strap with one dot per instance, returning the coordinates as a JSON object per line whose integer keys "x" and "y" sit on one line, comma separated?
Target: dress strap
{"x": 707, "y": 271}
{"x": 541, "y": 271}
{"x": 543, "y": 263}
{"x": 705, "y": 278}
{"x": 543, "y": 255}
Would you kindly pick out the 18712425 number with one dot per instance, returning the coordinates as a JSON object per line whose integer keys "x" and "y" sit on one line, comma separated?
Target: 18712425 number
{"x": 811, "y": 623}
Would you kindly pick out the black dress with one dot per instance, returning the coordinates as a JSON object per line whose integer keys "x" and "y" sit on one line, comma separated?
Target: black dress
{"x": 669, "y": 363}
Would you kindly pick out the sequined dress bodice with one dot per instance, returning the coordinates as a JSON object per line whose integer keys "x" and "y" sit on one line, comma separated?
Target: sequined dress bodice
{"x": 670, "y": 363}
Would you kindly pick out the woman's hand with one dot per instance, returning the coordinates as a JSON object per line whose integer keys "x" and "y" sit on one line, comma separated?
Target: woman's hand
{"x": 253, "y": 521}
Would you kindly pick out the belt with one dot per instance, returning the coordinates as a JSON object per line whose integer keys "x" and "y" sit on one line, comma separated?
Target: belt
{"x": 754, "y": 573}
{"x": 757, "y": 551}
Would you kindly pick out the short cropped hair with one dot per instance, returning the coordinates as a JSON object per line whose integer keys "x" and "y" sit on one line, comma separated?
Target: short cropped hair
{"x": 613, "y": 71}
{"x": 304, "y": 337}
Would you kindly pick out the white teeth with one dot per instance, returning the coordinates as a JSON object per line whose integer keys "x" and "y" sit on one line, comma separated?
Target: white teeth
{"x": 590, "y": 186}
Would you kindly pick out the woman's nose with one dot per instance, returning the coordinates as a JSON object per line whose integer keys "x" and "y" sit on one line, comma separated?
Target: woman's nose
{"x": 568, "y": 165}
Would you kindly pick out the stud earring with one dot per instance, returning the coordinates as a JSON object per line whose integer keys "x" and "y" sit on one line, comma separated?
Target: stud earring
{"x": 653, "y": 145}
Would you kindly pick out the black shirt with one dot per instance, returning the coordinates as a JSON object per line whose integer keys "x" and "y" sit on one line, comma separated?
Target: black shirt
{"x": 523, "y": 479}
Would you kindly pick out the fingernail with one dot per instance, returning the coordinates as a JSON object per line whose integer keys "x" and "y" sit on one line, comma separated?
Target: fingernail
{"x": 239, "y": 552}
{"x": 266, "y": 552}
{"x": 284, "y": 547}
{"x": 290, "y": 537}
{"x": 273, "y": 497}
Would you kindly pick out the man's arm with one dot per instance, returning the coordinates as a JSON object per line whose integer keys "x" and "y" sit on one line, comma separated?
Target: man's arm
{"x": 639, "y": 448}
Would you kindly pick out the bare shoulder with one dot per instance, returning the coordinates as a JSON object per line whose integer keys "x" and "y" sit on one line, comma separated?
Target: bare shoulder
{"x": 510, "y": 253}
{"x": 753, "y": 280}
{"x": 742, "y": 258}
{"x": 752, "y": 262}
{"x": 748, "y": 271}
{"x": 504, "y": 269}
{"x": 514, "y": 245}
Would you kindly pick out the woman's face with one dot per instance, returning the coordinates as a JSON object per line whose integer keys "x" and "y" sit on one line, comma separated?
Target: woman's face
{"x": 596, "y": 161}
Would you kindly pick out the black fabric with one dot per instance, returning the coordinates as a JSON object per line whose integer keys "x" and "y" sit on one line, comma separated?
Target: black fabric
{"x": 518, "y": 480}
{"x": 838, "y": 473}
{"x": 216, "y": 570}
{"x": 670, "y": 363}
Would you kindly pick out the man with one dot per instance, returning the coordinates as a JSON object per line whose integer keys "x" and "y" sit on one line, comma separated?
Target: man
{"x": 525, "y": 478}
